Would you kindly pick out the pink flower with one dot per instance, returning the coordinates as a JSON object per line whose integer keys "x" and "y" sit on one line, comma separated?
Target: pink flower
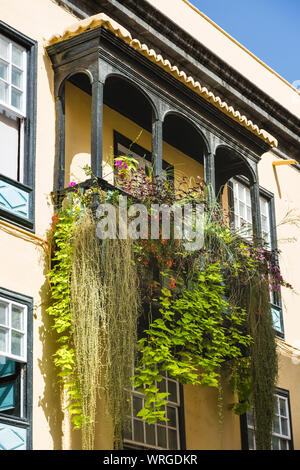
{"x": 72, "y": 184}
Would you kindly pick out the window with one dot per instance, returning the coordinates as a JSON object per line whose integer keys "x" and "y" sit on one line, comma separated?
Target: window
{"x": 17, "y": 125}
{"x": 243, "y": 212}
{"x": 282, "y": 435}
{"x": 161, "y": 435}
{"x": 243, "y": 219}
{"x": 242, "y": 208}
{"x": 15, "y": 370}
{"x": 13, "y": 318}
{"x": 12, "y": 107}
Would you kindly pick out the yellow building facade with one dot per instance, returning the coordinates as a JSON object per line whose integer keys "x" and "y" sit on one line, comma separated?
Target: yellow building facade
{"x": 163, "y": 87}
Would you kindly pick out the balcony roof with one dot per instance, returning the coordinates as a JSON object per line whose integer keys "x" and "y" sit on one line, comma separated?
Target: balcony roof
{"x": 105, "y": 21}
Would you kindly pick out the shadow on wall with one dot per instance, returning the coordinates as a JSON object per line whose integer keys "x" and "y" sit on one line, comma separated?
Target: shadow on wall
{"x": 50, "y": 401}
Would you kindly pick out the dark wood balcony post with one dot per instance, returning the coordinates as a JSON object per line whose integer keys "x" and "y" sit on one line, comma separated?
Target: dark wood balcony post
{"x": 157, "y": 145}
{"x": 59, "y": 180}
{"x": 209, "y": 170}
{"x": 97, "y": 128}
{"x": 256, "y": 216}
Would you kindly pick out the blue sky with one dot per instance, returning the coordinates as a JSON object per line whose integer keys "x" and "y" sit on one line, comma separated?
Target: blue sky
{"x": 270, "y": 29}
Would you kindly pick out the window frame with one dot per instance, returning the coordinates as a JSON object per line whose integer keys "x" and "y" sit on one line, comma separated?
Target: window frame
{"x": 10, "y": 329}
{"x": 181, "y": 438}
{"x": 269, "y": 197}
{"x": 25, "y": 421}
{"x": 27, "y": 186}
{"x": 19, "y": 112}
{"x": 281, "y": 393}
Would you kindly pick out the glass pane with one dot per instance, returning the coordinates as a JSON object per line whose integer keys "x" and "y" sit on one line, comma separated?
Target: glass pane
{"x": 276, "y": 425}
{"x": 248, "y": 197}
{"x": 241, "y": 192}
{"x": 250, "y": 417}
{"x": 249, "y": 217}
{"x": 3, "y": 92}
{"x": 3, "y": 340}
{"x": 150, "y": 434}
{"x": 4, "y": 45}
{"x": 16, "y": 98}
{"x": 7, "y": 367}
{"x": 282, "y": 407}
{"x": 275, "y": 443}
{"x": 137, "y": 405}
{"x": 284, "y": 444}
{"x": 17, "y": 56}
{"x": 17, "y": 77}
{"x": 162, "y": 386}
{"x": 138, "y": 427}
{"x": 161, "y": 437}
{"x": 3, "y": 70}
{"x": 242, "y": 210}
{"x": 7, "y": 396}
{"x": 128, "y": 430}
{"x": 172, "y": 436}
{"x": 16, "y": 343}
{"x": 17, "y": 318}
{"x": 251, "y": 439}
{"x": 3, "y": 313}
{"x": 171, "y": 415}
{"x": 284, "y": 426}
{"x": 172, "y": 389}
{"x": 276, "y": 316}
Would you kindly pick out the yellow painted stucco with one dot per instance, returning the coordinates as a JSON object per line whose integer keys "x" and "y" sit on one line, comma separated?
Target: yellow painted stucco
{"x": 24, "y": 263}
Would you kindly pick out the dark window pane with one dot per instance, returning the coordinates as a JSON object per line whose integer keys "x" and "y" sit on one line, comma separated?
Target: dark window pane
{"x": 275, "y": 443}
{"x": 251, "y": 439}
{"x": 171, "y": 415}
{"x": 284, "y": 444}
{"x": 282, "y": 407}
{"x": 138, "y": 434}
{"x": 172, "y": 389}
{"x": 128, "y": 430}
{"x": 137, "y": 405}
{"x": 172, "y": 439}
{"x": 161, "y": 437}
{"x": 162, "y": 386}
{"x": 284, "y": 427}
{"x": 150, "y": 434}
{"x": 276, "y": 425}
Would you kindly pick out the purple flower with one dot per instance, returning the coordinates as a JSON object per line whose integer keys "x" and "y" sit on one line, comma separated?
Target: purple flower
{"x": 73, "y": 183}
{"x": 119, "y": 163}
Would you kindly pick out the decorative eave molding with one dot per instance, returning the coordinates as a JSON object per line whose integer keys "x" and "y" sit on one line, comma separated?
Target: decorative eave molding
{"x": 121, "y": 32}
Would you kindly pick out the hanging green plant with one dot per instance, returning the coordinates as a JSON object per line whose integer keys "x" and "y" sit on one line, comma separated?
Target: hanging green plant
{"x": 60, "y": 242}
{"x": 195, "y": 334}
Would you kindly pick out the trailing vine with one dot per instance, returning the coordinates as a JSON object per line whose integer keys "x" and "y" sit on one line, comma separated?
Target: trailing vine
{"x": 60, "y": 237}
{"x": 87, "y": 309}
{"x": 191, "y": 340}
